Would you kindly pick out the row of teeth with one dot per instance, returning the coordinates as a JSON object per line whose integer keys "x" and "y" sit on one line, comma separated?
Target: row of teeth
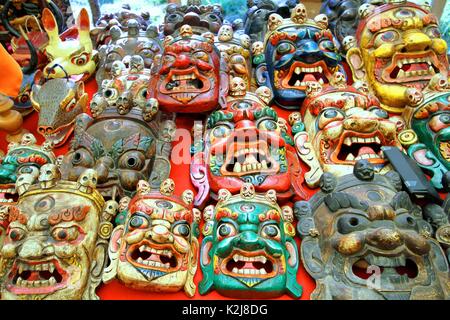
{"x": 6, "y": 200}
{"x": 36, "y": 283}
{"x": 10, "y": 191}
{"x": 299, "y": 83}
{"x": 245, "y": 151}
{"x": 351, "y": 157}
{"x": 36, "y": 267}
{"x": 403, "y": 74}
{"x": 299, "y": 70}
{"x": 401, "y": 62}
{"x": 156, "y": 251}
{"x": 249, "y": 271}
{"x": 238, "y": 257}
{"x": 350, "y": 140}
{"x": 250, "y": 166}
{"x": 153, "y": 263}
{"x": 183, "y": 76}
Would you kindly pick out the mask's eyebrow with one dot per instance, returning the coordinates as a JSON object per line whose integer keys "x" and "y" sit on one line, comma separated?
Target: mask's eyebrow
{"x": 77, "y": 213}
{"x": 78, "y": 51}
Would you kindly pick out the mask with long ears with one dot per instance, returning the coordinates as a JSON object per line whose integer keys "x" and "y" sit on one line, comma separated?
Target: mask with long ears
{"x": 74, "y": 58}
{"x": 58, "y": 102}
{"x": 364, "y": 239}
{"x": 156, "y": 247}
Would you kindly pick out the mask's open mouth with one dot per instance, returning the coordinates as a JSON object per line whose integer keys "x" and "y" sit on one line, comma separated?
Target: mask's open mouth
{"x": 148, "y": 257}
{"x": 60, "y": 135}
{"x": 352, "y": 148}
{"x": 412, "y": 67}
{"x": 8, "y": 194}
{"x": 184, "y": 85}
{"x": 249, "y": 264}
{"x": 249, "y": 159}
{"x": 397, "y": 269}
{"x": 301, "y": 73}
{"x": 36, "y": 277}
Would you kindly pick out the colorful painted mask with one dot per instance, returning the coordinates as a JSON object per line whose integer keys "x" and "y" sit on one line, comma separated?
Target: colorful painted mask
{"x": 235, "y": 48}
{"x": 74, "y": 58}
{"x": 125, "y": 140}
{"x": 399, "y": 47}
{"x": 244, "y": 144}
{"x": 428, "y": 135}
{"x": 201, "y": 18}
{"x": 343, "y": 124}
{"x": 363, "y": 238}
{"x": 249, "y": 249}
{"x": 156, "y": 247}
{"x": 58, "y": 102}
{"x": 126, "y": 44}
{"x": 297, "y": 50}
{"x": 57, "y": 238}
{"x": 191, "y": 76}
{"x": 25, "y": 157}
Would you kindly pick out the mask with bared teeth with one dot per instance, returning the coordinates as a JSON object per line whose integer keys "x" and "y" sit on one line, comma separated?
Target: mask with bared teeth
{"x": 156, "y": 247}
{"x": 248, "y": 250}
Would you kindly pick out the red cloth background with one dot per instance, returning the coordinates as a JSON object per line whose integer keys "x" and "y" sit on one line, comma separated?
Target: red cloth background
{"x": 180, "y": 174}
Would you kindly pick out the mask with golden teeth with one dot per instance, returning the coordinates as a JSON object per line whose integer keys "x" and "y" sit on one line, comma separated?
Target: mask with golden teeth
{"x": 399, "y": 46}
{"x": 25, "y": 157}
{"x": 364, "y": 239}
{"x": 191, "y": 76}
{"x": 427, "y": 137}
{"x": 125, "y": 140}
{"x": 73, "y": 58}
{"x": 297, "y": 50}
{"x": 248, "y": 249}
{"x": 56, "y": 241}
{"x": 343, "y": 124}
{"x": 156, "y": 248}
{"x": 244, "y": 143}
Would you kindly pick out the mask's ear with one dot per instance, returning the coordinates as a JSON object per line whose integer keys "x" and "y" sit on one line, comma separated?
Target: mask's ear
{"x": 38, "y": 81}
{"x": 83, "y": 30}
{"x": 262, "y": 76}
{"x": 51, "y": 27}
{"x": 356, "y": 63}
{"x": 207, "y": 265}
{"x": 199, "y": 178}
{"x": 99, "y": 261}
{"x": 293, "y": 288}
{"x": 189, "y": 287}
{"x": 113, "y": 254}
{"x": 82, "y": 96}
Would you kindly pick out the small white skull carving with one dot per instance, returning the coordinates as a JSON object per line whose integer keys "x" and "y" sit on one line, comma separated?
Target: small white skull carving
{"x": 237, "y": 87}
{"x": 24, "y": 181}
{"x": 143, "y": 187}
{"x": 257, "y": 48}
{"x": 167, "y": 187}
{"x": 275, "y": 20}
{"x": 186, "y": 31}
{"x": 265, "y": 94}
{"x": 188, "y": 197}
{"x": 87, "y": 181}
{"x": 49, "y": 175}
{"x": 247, "y": 190}
{"x": 225, "y": 33}
{"x": 322, "y": 21}
{"x": 299, "y": 13}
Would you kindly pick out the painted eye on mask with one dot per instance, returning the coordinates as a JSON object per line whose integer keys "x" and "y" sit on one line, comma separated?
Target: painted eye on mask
{"x": 439, "y": 122}
{"x": 433, "y": 32}
{"x": 80, "y": 60}
{"x": 65, "y": 234}
{"x": 133, "y": 160}
{"x": 226, "y": 230}
{"x": 24, "y": 98}
{"x": 201, "y": 56}
{"x": 182, "y": 229}
{"x": 220, "y": 131}
{"x": 71, "y": 105}
{"x": 110, "y": 93}
{"x": 327, "y": 45}
{"x": 389, "y": 36}
{"x": 82, "y": 158}
{"x": 406, "y": 220}
{"x": 168, "y": 59}
{"x": 16, "y": 234}
{"x": 284, "y": 48}
{"x": 268, "y": 125}
{"x": 271, "y": 231}
{"x": 330, "y": 115}
{"x": 138, "y": 222}
{"x": 379, "y": 113}
{"x": 28, "y": 169}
